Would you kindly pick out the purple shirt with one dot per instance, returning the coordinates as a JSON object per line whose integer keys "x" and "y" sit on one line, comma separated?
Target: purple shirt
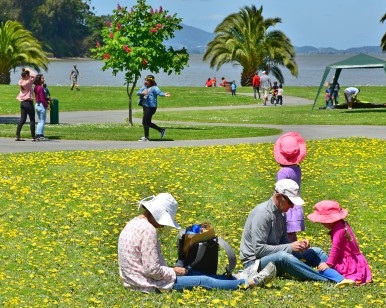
{"x": 295, "y": 215}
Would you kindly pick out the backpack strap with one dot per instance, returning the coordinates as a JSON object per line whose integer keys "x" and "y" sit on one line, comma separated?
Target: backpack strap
{"x": 200, "y": 253}
{"x": 231, "y": 255}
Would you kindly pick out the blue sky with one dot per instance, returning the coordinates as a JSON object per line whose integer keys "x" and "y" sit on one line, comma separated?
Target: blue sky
{"x": 340, "y": 24}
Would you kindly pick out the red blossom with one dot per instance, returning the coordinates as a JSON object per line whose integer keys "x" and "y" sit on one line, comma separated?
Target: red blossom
{"x": 144, "y": 62}
{"x": 153, "y": 30}
{"x": 106, "y": 56}
{"x": 119, "y": 26}
{"x": 158, "y": 26}
{"x": 126, "y": 48}
{"x": 119, "y": 7}
{"x": 108, "y": 23}
{"x": 161, "y": 9}
{"x": 168, "y": 16}
{"x": 111, "y": 35}
{"x": 98, "y": 44}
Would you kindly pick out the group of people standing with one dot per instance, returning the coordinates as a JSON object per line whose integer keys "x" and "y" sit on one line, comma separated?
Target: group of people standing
{"x": 32, "y": 85}
{"x": 264, "y": 84}
{"x": 269, "y": 244}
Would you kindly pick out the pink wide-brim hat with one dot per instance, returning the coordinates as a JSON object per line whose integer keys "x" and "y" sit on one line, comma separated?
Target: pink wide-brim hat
{"x": 290, "y": 149}
{"x": 327, "y": 211}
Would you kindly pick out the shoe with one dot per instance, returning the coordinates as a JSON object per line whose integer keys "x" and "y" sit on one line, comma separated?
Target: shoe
{"x": 162, "y": 133}
{"x": 250, "y": 271}
{"x": 41, "y": 138}
{"x": 345, "y": 283}
{"x": 34, "y": 139}
{"x": 265, "y": 276}
{"x": 19, "y": 139}
{"x": 143, "y": 139}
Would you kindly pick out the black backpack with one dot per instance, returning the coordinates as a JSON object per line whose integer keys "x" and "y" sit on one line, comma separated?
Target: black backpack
{"x": 200, "y": 251}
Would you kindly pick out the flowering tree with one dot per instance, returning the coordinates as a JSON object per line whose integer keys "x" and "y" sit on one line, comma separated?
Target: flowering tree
{"x": 133, "y": 41}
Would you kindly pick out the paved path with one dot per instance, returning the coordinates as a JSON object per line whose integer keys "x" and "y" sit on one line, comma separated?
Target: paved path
{"x": 8, "y": 145}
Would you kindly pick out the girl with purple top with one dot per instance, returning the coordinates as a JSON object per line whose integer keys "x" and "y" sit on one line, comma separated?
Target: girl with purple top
{"x": 289, "y": 151}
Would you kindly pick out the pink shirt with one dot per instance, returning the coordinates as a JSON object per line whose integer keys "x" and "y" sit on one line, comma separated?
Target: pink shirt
{"x": 26, "y": 90}
{"x": 141, "y": 264}
{"x": 345, "y": 256}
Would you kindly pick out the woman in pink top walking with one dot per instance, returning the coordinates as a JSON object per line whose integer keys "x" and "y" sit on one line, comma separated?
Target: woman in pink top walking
{"x": 345, "y": 255}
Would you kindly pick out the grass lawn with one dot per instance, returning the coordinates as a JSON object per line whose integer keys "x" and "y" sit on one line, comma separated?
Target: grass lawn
{"x": 61, "y": 214}
{"x": 115, "y": 98}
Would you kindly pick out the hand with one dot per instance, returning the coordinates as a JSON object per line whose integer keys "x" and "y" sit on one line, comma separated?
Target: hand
{"x": 180, "y": 271}
{"x": 300, "y": 246}
{"x": 323, "y": 266}
{"x": 167, "y": 94}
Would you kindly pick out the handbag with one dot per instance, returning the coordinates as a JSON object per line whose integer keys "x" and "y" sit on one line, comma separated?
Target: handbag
{"x": 141, "y": 100}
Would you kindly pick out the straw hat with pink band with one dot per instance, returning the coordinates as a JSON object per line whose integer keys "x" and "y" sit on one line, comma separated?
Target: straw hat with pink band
{"x": 289, "y": 149}
{"x": 327, "y": 211}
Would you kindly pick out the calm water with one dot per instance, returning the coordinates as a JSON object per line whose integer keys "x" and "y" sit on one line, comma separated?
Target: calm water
{"x": 311, "y": 69}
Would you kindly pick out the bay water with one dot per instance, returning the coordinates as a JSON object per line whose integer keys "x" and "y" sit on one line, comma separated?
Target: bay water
{"x": 311, "y": 69}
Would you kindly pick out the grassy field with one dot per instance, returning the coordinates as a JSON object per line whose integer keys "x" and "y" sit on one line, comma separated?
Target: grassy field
{"x": 61, "y": 213}
{"x": 115, "y": 98}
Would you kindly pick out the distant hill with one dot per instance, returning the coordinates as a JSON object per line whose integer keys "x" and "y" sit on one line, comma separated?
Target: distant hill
{"x": 195, "y": 41}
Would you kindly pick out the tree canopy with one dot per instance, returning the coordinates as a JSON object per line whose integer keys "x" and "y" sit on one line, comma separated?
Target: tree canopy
{"x": 383, "y": 40}
{"x": 246, "y": 38}
{"x": 65, "y": 28}
{"x": 132, "y": 41}
{"x": 18, "y": 47}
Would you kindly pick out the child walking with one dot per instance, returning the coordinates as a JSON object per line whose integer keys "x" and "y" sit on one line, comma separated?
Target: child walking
{"x": 345, "y": 256}
{"x": 289, "y": 151}
{"x": 233, "y": 88}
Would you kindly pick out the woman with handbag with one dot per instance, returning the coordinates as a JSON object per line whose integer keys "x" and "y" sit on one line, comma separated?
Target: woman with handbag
{"x": 148, "y": 100}
{"x": 142, "y": 266}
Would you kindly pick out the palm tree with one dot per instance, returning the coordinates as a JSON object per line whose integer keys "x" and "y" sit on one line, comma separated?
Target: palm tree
{"x": 18, "y": 48}
{"x": 383, "y": 41}
{"x": 245, "y": 38}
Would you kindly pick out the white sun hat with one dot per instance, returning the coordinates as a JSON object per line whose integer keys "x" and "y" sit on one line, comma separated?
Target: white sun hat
{"x": 163, "y": 208}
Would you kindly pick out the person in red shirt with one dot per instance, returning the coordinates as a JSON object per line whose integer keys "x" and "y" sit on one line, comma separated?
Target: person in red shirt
{"x": 256, "y": 85}
{"x": 208, "y": 83}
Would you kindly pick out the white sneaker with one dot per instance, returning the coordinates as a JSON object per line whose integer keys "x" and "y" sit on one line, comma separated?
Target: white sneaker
{"x": 250, "y": 271}
{"x": 143, "y": 139}
{"x": 265, "y": 276}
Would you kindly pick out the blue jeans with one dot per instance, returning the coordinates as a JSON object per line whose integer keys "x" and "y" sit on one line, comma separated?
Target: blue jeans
{"x": 42, "y": 115}
{"x": 293, "y": 264}
{"x": 209, "y": 282}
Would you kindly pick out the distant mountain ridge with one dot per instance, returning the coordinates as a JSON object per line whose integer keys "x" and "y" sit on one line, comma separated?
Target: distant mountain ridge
{"x": 195, "y": 41}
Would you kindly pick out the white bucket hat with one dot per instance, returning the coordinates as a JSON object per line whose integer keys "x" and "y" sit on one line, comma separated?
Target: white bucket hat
{"x": 163, "y": 208}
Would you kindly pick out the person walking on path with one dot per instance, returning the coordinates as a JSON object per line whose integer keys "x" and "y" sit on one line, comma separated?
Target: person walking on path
{"x": 256, "y": 85}
{"x": 289, "y": 150}
{"x": 350, "y": 95}
{"x": 265, "y": 84}
{"x": 265, "y": 240}
{"x": 74, "y": 74}
{"x": 150, "y": 91}
{"x": 345, "y": 255}
{"x": 25, "y": 97}
{"x": 142, "y": 266}
{"x": 41, "y": 106}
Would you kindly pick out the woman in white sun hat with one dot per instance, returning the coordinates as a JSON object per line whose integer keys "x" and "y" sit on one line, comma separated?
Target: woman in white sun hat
{"x": 142, "y": 266}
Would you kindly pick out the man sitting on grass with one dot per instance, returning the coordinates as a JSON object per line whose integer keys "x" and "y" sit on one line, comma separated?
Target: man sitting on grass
{"x": 265, "y": 239}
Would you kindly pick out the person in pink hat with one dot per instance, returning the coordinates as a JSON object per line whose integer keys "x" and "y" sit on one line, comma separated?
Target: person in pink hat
{"x": 345, "y": 256}
{"x": 289, "y": 151}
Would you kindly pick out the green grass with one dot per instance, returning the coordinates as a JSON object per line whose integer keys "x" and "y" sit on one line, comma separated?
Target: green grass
{"x": 115, "y": 98}
{"x": 124, "y": 132}
{"x": 61, "y": 214}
